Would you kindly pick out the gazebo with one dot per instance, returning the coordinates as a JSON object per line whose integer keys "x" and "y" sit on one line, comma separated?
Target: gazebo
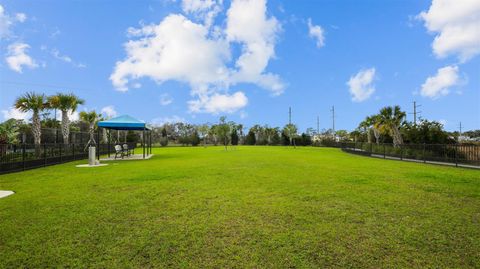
{"x": 127, "y": 123}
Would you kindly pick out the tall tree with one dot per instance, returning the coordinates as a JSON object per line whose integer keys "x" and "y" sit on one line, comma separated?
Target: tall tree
{"x": 91, "y": 118}
{"x": 270, "y": 132}
{"x": 366, "y": 126}
{"x": 290, "y": 130}
{"x": 374, "y": 122}
{"x": 390, "y": 119}
{"x": 35, "y": 103}
{"x": 257, "y": 130}
{"x": 223, "y": 130}
{"x": 203, "y": 130}
{"x": 212, "y": 132}
{"x": 66, "y": 103}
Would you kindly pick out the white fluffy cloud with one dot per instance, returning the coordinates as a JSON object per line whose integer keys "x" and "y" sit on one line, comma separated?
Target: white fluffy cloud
{"x": 176, "y": 49}
{"x": 205, "y": 10}
{"x": 7, "y": 21}
{"x": 361, "y": 85}
{"x": 17, "y": 57}
{"x": 195, "y": 53}
{"x": 247, "y": 24}
{"x": 109, "y": 111}
{"x": 72, "y": 116}
{"x": 163, "y": 120}
{"x": 316, "y": 32}
{"x": 441, "y": 83}
{"x": 457, "y": 27}
{"x": 219, "y": 103}
{"x": 14, "y": 113}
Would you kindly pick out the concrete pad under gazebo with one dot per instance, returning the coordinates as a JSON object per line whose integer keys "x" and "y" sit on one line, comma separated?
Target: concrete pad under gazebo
{"x": 128, "y": 123}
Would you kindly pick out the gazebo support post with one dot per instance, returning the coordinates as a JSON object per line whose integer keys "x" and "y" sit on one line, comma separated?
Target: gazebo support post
{"x": 143, "y": 142}
{"x": 98, "y": 143}
{"x": 150, "y": 142}
{"x": 108, "y": 143}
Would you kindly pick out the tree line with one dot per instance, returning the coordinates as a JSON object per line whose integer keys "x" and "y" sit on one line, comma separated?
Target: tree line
{"x": 389, "y": 125}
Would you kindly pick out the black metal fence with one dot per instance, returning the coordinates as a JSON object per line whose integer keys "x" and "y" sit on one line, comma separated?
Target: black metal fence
{"x": 19, "y": 157}
{"x": 454, "y": 154}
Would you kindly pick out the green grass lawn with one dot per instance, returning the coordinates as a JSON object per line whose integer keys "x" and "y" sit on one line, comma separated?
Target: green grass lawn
{"x": 249, "y": 207}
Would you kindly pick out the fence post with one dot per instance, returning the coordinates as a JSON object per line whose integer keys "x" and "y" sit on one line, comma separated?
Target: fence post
{"x": 424, "y": 158}
{"x": 384, "y": 153}
{"x": 60, "y": 148}
{"x": 23, "y": 155}
{"x": 456, "y": 155}
{"x": 44, "y": 154}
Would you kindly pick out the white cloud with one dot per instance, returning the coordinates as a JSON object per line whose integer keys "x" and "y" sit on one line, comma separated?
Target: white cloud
{"x": 172, "y": 119}
{"x": 361, "y": 85}
{"x": 65, "y": 58}
{"x": 205, "y": 10}
{"x": 316, "y": 32}
{"x": 443, "y": 122}
{"x": 17, "y": 57}
{"x": 219, "y": 103}
{"x": 72, "y": 116}
{"x": 7, "y": 21}
{"x": 175, "y": 49}
{"x": 14, "y": 113}
{"x": 247, "y": 24}
{"x": 109, "y": 111}
{"x": 441, "y": 83}
{"x": 199, "y": 55}
{"x": 457, "y": 27}
{"x": 191, "y": 6}
{"x": 165, "y": 99}
{"x": 21, "y": 17}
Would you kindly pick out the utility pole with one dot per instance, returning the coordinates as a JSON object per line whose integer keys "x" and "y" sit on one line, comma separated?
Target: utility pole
{"x": 333, "y": 119}
{"x": 415, "y": 112}
{"x": 289, "y": 115}
{"x": 318, "y": 125}
{"x": 460, "y": 126}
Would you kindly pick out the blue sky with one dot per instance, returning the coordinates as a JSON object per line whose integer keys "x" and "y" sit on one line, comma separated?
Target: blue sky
{"x": 196, "y": 60}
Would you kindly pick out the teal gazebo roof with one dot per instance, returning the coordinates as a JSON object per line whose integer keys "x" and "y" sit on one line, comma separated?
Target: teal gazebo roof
{"x": 124, "y": 122}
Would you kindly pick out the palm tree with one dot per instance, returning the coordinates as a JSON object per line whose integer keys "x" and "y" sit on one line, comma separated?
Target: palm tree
{"x": 66, "y": 103}
{"x": 257, "y": 130}
{"x": 290, "y": 131}
{"x": 91, "y": 118}
{"x": 390, "y": 119}
{"x": 35, "y": 103}
{"x": 8, "y": 135}
{"x": 366, "y": 126}
{"x": 269, "y": 133}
